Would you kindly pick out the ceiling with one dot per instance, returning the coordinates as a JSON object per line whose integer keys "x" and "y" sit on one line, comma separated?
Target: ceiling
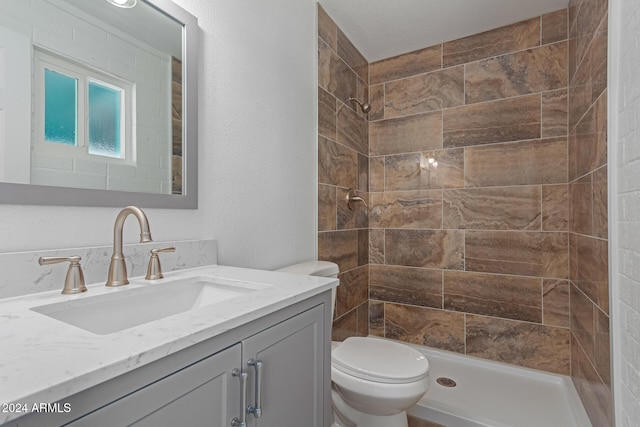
{"x": 384, "y": 28}
{"x": 143, "y": 22}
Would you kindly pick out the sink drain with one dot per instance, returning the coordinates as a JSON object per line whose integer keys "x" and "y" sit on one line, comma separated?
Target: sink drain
{"x": 446, "y": 382}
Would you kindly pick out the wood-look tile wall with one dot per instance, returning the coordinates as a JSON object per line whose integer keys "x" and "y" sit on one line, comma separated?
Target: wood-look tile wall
{"x": 588, "y": 240}
{"x": 343, "y": 163}
{"x": 484, "y": 165}
{"x": 469, "y": 215}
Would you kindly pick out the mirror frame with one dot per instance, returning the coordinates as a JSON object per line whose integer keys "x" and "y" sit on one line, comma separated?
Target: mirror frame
{"x": 29, "y": 194}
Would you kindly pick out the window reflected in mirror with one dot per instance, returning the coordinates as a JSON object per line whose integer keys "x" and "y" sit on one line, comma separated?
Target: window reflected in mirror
{"x": 100, "y": 98}
{"x": 76, "y": 101}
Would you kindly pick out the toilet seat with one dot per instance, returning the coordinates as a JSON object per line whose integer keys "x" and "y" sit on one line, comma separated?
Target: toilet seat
{"x": 379, "y": 360}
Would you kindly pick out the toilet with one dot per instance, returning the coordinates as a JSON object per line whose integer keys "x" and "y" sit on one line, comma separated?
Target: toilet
{"x": 373, "y": 380}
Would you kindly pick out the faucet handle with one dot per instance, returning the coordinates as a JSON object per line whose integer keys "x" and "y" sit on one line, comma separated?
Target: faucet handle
{"x": 74, "y": 282}
{"x": 154, "y": 270}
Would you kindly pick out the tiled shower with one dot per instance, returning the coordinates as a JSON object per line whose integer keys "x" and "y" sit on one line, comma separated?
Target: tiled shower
{"x": 483, "y": 163}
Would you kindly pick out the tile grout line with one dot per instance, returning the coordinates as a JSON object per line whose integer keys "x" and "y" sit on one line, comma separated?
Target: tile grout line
{"x": 542, "y": 301}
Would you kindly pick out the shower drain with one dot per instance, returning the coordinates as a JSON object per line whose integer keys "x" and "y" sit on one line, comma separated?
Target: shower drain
{"x": 446, "y": 382}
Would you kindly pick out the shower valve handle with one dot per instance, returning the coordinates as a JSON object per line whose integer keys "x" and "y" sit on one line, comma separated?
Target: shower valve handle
{"x": 352, "y": 199}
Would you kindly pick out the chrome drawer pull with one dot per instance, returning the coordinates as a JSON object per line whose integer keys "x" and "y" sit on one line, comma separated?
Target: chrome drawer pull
{"x": 242, "y": 376}
{"x": 257, "y": 409}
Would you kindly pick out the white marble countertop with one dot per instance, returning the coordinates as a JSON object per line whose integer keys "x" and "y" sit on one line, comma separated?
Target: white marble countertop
{"x": 43, "y": 360}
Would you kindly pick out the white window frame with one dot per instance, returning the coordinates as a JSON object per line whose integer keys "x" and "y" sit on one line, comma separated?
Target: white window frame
{"x": 83, "y": 74}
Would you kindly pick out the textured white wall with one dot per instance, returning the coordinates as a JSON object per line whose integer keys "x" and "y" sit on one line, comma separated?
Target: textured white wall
{"x": 624, "y": 152}
{"x": 257, "y": 146}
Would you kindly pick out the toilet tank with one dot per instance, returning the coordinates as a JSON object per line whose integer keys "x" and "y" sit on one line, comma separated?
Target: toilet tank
{"x": 313, "y": 268}
{"x": 316, "y": 268}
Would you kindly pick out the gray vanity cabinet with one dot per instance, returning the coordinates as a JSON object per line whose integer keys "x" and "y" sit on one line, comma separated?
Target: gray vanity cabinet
{"x": 208, "y": 394}
{"x": 200, "y": 386}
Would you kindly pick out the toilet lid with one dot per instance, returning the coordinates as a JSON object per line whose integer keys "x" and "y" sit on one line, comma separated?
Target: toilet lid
{"x": 379, "y": 360}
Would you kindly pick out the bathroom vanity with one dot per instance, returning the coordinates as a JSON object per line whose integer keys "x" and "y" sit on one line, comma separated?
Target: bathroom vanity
{"x": 247, "y": 345}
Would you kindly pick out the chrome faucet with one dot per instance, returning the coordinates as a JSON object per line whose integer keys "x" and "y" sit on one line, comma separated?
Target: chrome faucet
{"x": 118, "y": 267}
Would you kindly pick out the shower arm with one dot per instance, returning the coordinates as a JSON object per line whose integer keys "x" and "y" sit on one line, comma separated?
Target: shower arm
{"x": 365, "y": 107}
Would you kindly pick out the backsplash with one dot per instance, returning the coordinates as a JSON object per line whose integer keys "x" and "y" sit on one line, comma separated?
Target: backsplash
{"x": 22, "y": 275}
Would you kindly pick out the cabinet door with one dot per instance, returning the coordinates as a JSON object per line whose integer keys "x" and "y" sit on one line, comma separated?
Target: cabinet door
{"x": 292, "y": 359}
{"x": 203, "y": 394}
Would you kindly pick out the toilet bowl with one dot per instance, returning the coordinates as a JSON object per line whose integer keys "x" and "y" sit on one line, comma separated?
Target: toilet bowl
{"x": 373, "y": 380}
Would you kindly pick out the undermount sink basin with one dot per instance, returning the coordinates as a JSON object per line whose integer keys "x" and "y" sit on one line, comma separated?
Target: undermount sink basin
{"x": 124, "y": 309}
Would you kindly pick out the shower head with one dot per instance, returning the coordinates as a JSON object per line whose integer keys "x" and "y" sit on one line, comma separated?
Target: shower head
{"x": 365, "y": 107}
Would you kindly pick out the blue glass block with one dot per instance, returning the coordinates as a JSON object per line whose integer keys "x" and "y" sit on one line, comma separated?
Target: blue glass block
{"x": 104, "y": 120}
{"x": 60, "y": 108}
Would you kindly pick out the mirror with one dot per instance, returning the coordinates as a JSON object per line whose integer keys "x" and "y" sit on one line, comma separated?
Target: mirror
{"x": 98, "y": 103}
